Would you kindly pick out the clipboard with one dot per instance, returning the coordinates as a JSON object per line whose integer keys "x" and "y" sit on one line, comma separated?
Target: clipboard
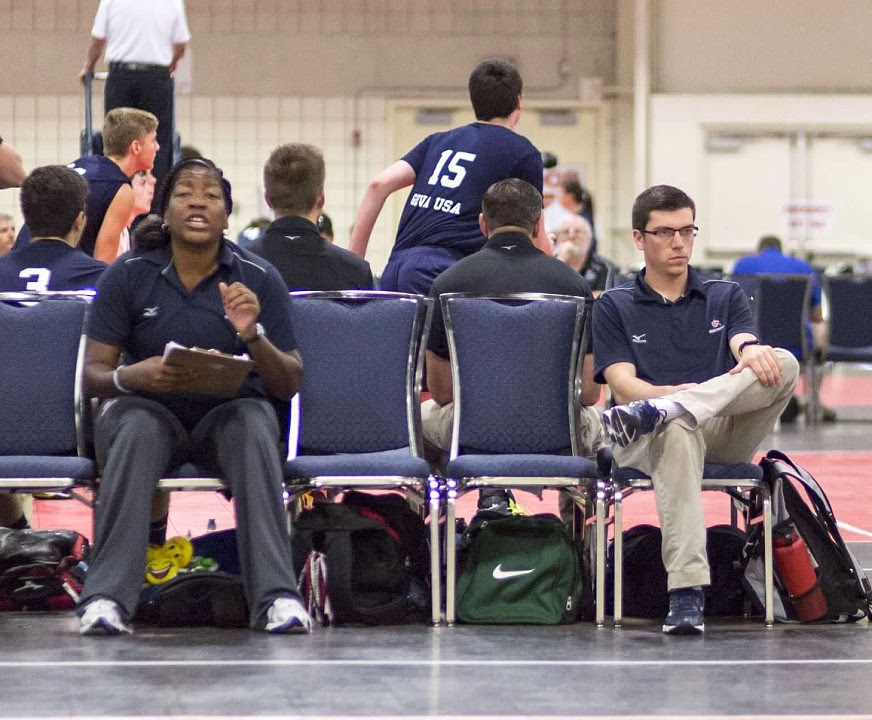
{"x": 218, "y": 374}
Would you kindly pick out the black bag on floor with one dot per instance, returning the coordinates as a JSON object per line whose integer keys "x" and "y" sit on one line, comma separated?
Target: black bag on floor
{"x": 210, "y": 598}
{"x": 195, "y": 599}
{"x": 364, "y": 561}
{"x": 645, "y": 578}
{"x": 817, "y": 578}
{"x": 41, "y": 569}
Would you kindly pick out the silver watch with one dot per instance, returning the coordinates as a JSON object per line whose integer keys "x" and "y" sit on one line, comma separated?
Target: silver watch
{"x": 259, "y": 332}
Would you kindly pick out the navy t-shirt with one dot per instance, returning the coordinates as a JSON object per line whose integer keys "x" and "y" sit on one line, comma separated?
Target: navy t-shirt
{"x": 453, "y": 170}
{"x": 670, "y": 343}
{"x": 49, "y": 265}
{"x": 104, "y": 180}
{"x": 141, "y": 305}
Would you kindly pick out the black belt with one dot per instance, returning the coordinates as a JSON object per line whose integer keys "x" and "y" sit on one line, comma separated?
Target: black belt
{"x": 135, "y": 67}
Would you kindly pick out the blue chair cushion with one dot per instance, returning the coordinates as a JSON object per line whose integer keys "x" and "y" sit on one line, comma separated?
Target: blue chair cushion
{"x": 543, "y": 466}
{"x": 394, "y": 462}
{"x": 837, "y": 353}
{"x": 29, "y": 466}
{"x": 711, "y": 471}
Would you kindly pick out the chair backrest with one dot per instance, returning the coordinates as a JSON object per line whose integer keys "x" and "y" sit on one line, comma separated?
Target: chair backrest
{"x": 41, "y": 358}
{"x": 850, "y": 307}
{"x": 781, "y": 311}
{"x": 516, "y": 370}
{"x": 362, "y": 357}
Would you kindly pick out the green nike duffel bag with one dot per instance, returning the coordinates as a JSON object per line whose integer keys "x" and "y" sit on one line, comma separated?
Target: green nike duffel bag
{"x": 519, "y": 569}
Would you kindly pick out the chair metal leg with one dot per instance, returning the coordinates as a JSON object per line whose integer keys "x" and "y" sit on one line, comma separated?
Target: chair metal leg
{"x": 768, "y": 579}
{"x": 450, "y": 551}
{"x": 600, "y": 540}
{"x": 618, "y": 598}
{"x": 435, "y": 497}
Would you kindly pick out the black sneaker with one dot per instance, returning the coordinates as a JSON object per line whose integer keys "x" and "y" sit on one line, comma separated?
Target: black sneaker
{"x": 625, "y": 423}
{"x": 495, "y": 500}
{"x": 685, "y": 616}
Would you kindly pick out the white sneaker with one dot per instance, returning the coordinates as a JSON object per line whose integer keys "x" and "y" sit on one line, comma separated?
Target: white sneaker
{"x": 103, "y": 617}
{"x": 287, "y": 615}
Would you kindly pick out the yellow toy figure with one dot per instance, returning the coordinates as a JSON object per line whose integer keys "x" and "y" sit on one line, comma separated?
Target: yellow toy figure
{"x": 164, "y": 562}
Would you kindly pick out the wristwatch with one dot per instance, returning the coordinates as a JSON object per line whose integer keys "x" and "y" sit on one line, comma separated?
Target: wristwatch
{"x": 259, "y": 332}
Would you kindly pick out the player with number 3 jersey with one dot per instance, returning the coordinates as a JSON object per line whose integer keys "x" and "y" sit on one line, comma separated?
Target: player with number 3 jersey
{"x": 451, "y": 172}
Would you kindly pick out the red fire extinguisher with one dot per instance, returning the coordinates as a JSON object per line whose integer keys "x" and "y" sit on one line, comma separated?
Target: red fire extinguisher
{"x": 797, "y": 571}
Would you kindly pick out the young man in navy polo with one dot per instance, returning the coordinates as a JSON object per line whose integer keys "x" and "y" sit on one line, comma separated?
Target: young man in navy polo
{"x": 451, "y": 171}
{"x": 694, "y": 384}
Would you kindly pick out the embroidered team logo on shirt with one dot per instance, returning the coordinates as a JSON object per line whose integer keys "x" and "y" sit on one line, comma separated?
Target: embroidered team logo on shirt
{"x": 639, "y": 339}
{"x": 717, "y": 326}
{"x": 149, "y": 312}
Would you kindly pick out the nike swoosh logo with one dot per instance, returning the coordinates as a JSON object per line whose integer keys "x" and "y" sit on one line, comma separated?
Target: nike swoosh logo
{"x": 500, "y": 574}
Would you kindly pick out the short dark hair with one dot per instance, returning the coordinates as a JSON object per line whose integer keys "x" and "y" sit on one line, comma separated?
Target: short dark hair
{"x": 151, "y": 233}
{"x": 769, "y": 241}
{"x": 494, "y": 89}
{"x": 511, "y": 202}
{"x": 325, "y": 225}
{"x": 293, "y": 176}
{"x": 659, "y": 197}
{"x": 52, "y": 197}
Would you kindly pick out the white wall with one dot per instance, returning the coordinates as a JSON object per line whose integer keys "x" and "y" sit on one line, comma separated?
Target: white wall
{"x": 678, "y": 156}
{"x": 763, "y": 46}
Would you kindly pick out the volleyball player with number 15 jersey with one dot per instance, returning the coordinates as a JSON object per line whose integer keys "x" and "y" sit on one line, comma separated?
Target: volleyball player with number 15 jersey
{"x": 451, "y": 172}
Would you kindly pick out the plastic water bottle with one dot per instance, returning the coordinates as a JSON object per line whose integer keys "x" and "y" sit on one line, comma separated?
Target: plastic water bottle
{"x": 211, "y": 526}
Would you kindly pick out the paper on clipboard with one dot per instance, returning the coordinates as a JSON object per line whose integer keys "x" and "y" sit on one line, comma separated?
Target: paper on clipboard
{"x": 217, "y": 374}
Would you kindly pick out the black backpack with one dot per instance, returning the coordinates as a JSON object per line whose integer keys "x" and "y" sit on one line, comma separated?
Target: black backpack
{"x": 645, "y": 578}
{"x": 374, "y": 553}
{"x": 201, "y": 598}
{"x": 41, "y": 569}
{"x": 802, "y": 517}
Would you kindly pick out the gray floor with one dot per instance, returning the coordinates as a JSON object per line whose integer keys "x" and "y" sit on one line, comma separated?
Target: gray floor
{"x": 738, "y": 669}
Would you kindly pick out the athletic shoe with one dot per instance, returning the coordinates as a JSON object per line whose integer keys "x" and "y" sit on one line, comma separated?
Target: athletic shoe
{"x": 626, "y": 423}
{"x": 495, "y": 500}
{"x": 103, "y": 617}
{"x": 288, "y": 616}
{"x": 685, "y": 612}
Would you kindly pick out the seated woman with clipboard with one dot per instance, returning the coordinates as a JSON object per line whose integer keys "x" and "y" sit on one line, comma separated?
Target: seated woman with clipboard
{"x": 185, "y": 284}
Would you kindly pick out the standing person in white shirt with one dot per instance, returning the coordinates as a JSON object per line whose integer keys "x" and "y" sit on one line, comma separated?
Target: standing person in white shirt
{"x": 144, "y": 42}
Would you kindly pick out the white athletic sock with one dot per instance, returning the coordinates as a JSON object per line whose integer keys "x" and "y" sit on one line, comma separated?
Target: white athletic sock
{"x": 669, "y": 409}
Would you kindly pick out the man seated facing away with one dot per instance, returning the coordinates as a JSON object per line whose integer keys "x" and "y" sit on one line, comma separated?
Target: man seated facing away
{"x": 293, "y": 181}
{"x": 53, "y": 204}
{"x": 53, "y": 201}
{"x": 130, "y": 144}
{"x": 771, "y": 259}
{"x": 575, "y": 248}
{"x": 509, "y": 263}
{"x": 693, "y": 381}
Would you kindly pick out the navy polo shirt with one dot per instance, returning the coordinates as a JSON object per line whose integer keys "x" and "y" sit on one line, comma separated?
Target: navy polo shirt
{"x": 49, "y": 265}
{"x": 141, "y": 305}
{"x": 670, "y": 343}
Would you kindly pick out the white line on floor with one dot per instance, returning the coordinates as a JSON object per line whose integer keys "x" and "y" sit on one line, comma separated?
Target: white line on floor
{"x": 425, "y": 663}
{"x": 853, "y": 529}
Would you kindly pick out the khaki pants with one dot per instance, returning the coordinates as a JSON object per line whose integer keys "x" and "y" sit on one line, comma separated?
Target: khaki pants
{"x": 728, "y": 417}
{"x": 436, "y": 428}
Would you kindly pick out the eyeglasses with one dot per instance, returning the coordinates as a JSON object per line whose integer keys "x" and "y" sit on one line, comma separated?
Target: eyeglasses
{"x": 666, "y": 233}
